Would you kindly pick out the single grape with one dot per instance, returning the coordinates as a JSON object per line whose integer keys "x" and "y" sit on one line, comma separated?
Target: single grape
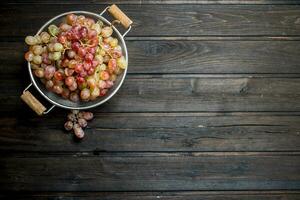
{"x": 56, "y": 55}
{"x": 95, "y": 92}
{"x": 29, "y": 56}
{"x": 113, "y": 42}
{"x": 121, "y": 62}
{"x": 83, "y": 73}
{"x": 38, "y": 39}
{"x": 99, "y": 58}
{"x": 95, "y": 63}
{"x": 87, "y": 65}
{"x": 85, "y": 94}
{"x": 102, "y": 67}
{"x": 58, "y": 76}
{"x": 57, "y": 89}
{"x": 37, "y": 59}
{"x": 68, "y": 125}
{"x": 62, "y": 39}
{"x": 85, "y": 115}
{"x": 104, "y": 75}
{"x": 65, "y": 93}
{"x": 91, "y": 71}
{"x": 75, "y": 46}
{"x": 92, "y": 33}
{"x": 80, "y": 79}
{"x": 73, "y": 87}
{"x": 65, "y": 27}
{"x": 50, "y": 47}
{"x": 83, "y": 32}
{"x": 34, "y": 66}
{"x": 89, "y": 57}
{"x": 109, "y": 84}
{"x": 37, "y": 49}
{"x": 97, "y": 28}
{"x": 78, "y": 131}
{"x": 91, "y": 82}
{"x": 71, "y": 18}
{"x": 102, "y": 84}
{"x": 53, "y": 30}
{"x": 74, "y": 97}
{"x": 49, "y": 72}
{"x": 103, "y": 92}
{"x": 81, "y": 51}
{"x": 30, "y": 40}
{"x": 39, "y": 72}
{"x": 69, "y": 81}
{"x": 112, "y": 64}
{"x": 106, "y": 31}
{"x": 58, "y": 47}
{"x": 72, "y": 117}
{"x": 45, "y": 37}
{"x": 72, "y": 63}
{"x": 82, "y": 122}
{"x": 49, "y": 84}
{"x": 106, "y": 58}
{"x": 69, "y": 72}
{"x": 71, "y": 53}
{"x": 113, "y": 77}
{"x": 78, "y": 68}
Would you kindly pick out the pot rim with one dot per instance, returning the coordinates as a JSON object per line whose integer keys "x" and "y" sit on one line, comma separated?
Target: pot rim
{"x": 120, "y": 37}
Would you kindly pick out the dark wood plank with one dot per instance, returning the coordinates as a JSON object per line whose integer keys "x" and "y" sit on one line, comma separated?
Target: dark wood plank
{"x": 155, "y": 132}
{"x": 143, "y": 2}
{"x": 183, "y": 93}
{"x": 158, "y": 57}
{"x": 157, "y": 20}
{"x": 192, "y": 195}
{"x": 152, "y": 171}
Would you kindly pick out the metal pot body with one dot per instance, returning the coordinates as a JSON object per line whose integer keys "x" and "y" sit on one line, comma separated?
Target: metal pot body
{"x": 65, "y": 103}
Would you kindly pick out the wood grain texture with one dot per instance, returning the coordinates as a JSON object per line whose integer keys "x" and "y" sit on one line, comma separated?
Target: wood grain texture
{"x": 156, "y": 132}
{"x": 183, "y": 20}
{"x": 158, "y": 172}
{"x": 156, "y": 57}
{"x": 144, "y": 2}
{"x": 183, "y": 93}
{"x": 192, "y": 195}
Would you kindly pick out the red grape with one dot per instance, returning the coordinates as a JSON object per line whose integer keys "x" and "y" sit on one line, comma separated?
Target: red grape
{"x": 78, "y": 68}
{"x": 69, "y": 81}
{"x": 81, "y": 51}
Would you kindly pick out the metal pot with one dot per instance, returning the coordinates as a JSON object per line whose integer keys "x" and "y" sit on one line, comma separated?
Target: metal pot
{"x": 56, "y": 100}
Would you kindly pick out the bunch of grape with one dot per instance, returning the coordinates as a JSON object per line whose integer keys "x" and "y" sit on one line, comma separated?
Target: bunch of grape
{"x": 79, "y": 60}
{"x": 77, "y": 120}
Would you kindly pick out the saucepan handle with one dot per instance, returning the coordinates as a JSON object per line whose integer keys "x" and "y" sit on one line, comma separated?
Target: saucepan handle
{"x": 34, "y": 103}
{"x": 118, "y": 14}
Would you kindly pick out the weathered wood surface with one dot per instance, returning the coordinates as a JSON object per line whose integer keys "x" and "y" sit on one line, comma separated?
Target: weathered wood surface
{"x": 182, "y": 93}
{"x": 171, "y": 20}
{"x": 191, "y": 195}
{"x": 210, "y": 108}
{"x": 189, "y": 57}
{"x": 148, "y": 171}
{"x": 156, "y": 132}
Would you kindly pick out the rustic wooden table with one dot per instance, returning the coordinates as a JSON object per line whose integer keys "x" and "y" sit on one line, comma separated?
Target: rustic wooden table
{"x": 210, "y": 108}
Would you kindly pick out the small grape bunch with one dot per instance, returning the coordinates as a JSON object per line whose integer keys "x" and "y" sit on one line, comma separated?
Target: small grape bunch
{"x": 77, "y": 120}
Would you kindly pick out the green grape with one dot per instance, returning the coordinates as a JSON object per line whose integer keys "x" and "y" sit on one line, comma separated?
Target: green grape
{"x": 53, "y": 30}
{"x": 38, "y": 39}
{"x": 58, "y": 47}
{"x": 45, "y": 37}
{"x": 56, "y": 55}
{"x": 30, "y": 40}
{"x": 37, "y": 49}
{"x": 121, "y": 62}
{"x": 37, "y": 59}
